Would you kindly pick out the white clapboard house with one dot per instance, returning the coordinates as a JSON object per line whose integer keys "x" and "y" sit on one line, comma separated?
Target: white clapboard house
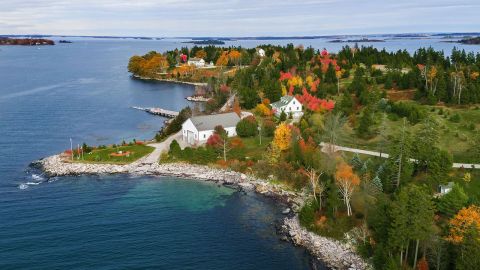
{"x": 197, "y": 62}
{"x": 197, "y": 129}
{"x": 288, "y": 104}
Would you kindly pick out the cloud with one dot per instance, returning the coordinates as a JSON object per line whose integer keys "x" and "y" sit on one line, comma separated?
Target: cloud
{"x": 235, "y": 17}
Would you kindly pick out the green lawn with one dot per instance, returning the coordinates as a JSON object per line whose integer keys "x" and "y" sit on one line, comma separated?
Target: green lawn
{"x": 455, "y": 137}
{"x": 252, "y": 148}
{"x": 103, "y": 155}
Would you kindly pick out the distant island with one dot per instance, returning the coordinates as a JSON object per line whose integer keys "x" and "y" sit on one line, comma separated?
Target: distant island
{"x": 206, "y": 42}
{"x": 356, "y": 40}
{"x": 26, "y": 41}
{"x": 64, "y": 41}
{"x": 470, "y": 41}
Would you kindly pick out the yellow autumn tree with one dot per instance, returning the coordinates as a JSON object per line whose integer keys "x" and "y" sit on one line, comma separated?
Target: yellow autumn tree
{"x": 222, "y": 60}
{"x": 201, "y": 54}
{"x": 463, "y": 221}
{"x": 263, "y": 110}
{"x": 282, "y": 137}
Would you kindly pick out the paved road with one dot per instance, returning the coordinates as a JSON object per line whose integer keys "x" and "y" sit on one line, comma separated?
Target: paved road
{"x": 163, "y": 146}
{"x": 385, "y": 155}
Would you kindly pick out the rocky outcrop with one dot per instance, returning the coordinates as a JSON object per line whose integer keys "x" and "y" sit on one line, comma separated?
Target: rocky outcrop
{"x": 333, "y": 253}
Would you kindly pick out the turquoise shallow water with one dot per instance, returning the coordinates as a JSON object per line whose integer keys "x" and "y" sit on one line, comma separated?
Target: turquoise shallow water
{"x": 141, "y": 223}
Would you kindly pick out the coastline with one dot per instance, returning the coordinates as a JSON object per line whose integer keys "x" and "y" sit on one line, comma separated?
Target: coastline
{"x": 168, "y": 80}
{"x": 333, "y": 253}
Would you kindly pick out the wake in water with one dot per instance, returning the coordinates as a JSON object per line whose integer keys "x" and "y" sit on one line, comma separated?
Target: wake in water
{"x": 33, "y": 179}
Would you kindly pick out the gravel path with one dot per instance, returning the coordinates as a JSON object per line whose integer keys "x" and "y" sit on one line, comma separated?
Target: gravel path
{"x": 336, "y": 148}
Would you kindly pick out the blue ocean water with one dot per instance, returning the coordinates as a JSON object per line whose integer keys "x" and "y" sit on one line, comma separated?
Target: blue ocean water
{"x": 83, "y": 91}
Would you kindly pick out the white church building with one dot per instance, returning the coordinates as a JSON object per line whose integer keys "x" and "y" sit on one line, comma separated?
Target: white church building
{"x": 197, "y": 129}
{"x": 288, "y": 104}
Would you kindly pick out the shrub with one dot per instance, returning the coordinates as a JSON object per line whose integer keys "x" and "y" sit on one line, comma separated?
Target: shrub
{"x": 455, "y": 118}
{"x": 268, "y": 128}
{"x": 247, "y": 127}
{"x": 413, "y": 112}
{"x": 175, "y": 149}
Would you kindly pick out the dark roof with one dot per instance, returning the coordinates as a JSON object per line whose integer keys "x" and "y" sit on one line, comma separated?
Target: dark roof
{"x": 209, "y": 122}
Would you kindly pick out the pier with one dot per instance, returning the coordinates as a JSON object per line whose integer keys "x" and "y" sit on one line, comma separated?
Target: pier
{"x": 158, "y": 111}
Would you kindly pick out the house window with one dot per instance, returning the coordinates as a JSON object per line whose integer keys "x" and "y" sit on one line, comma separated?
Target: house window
{"x": 298, "y": 108}
{"x": 293, "y": 102}
{"x": 204, "y": 136}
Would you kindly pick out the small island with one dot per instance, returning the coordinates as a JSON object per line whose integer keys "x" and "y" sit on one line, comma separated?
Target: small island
{"x": 470, "y": 41}
{"x": 206, "y": 42}
{"x": 26, "y": 41}
{"x": 356, "y": 40}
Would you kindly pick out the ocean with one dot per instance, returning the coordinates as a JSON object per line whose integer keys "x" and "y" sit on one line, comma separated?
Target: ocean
{"x": 83, "y": 91}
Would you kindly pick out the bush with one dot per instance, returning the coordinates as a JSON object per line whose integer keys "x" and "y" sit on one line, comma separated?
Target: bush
{"x": 175, "y": 149}
{"x": 268, "y": 128}
{"x": 413, "y": 112}
{"x": 247, "y": 127}
{"x": 455, "y": 118}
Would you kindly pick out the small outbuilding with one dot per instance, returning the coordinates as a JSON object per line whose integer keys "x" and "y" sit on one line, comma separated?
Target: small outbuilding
{"x": 198, "y": 129}
{"x": 289, "y": 105}
{"x": 444, "y": 189}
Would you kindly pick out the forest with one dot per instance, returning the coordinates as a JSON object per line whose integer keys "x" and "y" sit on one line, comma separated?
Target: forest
{"x": 421, "y": 108}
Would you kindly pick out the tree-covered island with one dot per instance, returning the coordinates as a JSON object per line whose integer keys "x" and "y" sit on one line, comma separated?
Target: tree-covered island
{"x": 403, "y": 205}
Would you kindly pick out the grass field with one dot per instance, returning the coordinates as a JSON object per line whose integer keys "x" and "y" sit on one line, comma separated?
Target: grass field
{"x": 104, "y": 155}
{"x": 252, "y": 149}
{"x": 457, "y": 136}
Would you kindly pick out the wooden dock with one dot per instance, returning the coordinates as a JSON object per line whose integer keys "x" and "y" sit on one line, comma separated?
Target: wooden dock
{"x": 158, "y": 111}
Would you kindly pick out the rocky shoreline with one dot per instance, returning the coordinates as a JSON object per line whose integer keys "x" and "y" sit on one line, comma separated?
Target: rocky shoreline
{"x": 333, "y": 253}
{"x": 169, "y": 80}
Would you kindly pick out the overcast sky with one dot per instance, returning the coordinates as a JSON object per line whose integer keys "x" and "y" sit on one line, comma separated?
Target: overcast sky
{"x": 167, "y": 18}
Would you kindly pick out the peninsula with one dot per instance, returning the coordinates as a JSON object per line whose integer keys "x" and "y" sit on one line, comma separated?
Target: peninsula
{"x": 361, "y": 144}
{"x": 26, "y": 41}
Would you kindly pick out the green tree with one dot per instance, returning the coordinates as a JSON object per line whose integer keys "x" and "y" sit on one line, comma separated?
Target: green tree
{"x": 366, "y": 122}
{"x": 333, "y": 131}
{"x": 469, "y": 251}
{"x": 450, "y": 203}
{"x": 247, "y": 127}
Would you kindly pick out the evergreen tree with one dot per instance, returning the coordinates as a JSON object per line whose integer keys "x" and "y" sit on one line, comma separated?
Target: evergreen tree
{"x": 330, "y": 76}
{"x": 377, "y": 183}
{"x": 469, "y": 251}
{"x": 450, "y": 203}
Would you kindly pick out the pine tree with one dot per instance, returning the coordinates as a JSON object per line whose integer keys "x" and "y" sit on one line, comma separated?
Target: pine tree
{"x": 469, "y": 251}
{"x": 377, "y": 183}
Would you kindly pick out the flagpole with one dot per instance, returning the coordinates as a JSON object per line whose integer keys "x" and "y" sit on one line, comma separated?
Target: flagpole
{"x": 71, "y": 147}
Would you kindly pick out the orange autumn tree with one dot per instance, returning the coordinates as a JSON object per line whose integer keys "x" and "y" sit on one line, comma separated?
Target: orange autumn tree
{"x": 282, "y": 137}
{"x": 347, "y": 181}
{"x": 234, "y": 56}
{"x": 464, "y": 220}
{"x": 222, "y": 60}
{"x": 201, "y": 54}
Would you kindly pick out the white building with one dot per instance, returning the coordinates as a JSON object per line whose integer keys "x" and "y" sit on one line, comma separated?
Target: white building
{"x": 288, "y": 104}
{"x": 197, "y": 129}
{"x": 261, "y": 52}
{"x": 197, "y": 62}
{"x": 444, "y": 189}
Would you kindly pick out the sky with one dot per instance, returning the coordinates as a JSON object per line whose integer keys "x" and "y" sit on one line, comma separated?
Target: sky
{"x": 235, "y": 18}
